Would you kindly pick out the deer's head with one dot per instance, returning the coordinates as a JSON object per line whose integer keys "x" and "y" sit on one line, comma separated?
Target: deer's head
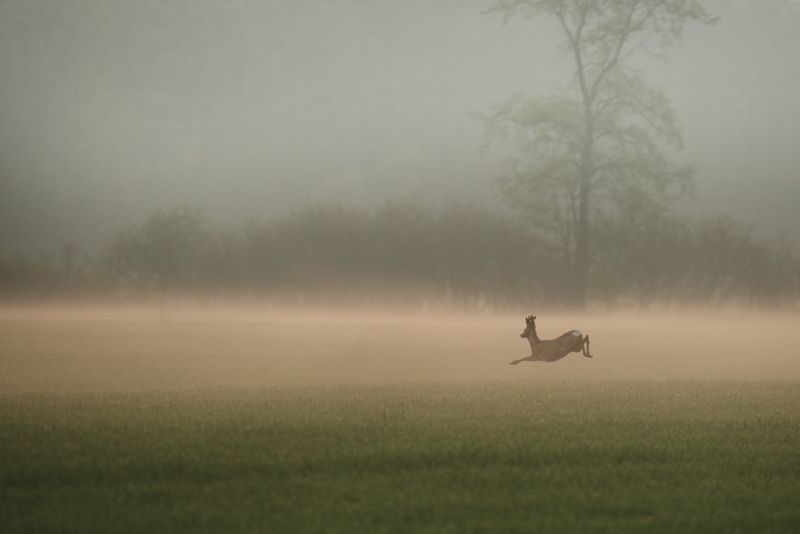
{"x": 530, "y": 327}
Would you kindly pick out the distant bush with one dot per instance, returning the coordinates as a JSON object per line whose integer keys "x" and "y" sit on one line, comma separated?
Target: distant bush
{"x": 43, "y": 277}
{"x": 165, "y": 252}
{"x": 23, "y": 276}
{"x": 704, "y": 260}
{"x": 460, "y": 254}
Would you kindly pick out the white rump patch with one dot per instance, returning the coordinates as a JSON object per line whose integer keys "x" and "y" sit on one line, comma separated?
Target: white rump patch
{"x": 576, "y": 333}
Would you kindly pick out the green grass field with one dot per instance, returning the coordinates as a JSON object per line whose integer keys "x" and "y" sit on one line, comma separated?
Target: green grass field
{"x": 249, "y": 420}
{"x": 493, "y": 456}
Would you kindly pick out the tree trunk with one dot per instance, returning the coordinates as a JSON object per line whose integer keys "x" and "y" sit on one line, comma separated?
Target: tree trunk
{"x": 582, "y": 245}
{"x": 586, "y": 170}
{"x": 582, "y": 239}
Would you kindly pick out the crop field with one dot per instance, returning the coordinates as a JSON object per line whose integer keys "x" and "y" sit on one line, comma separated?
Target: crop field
{"x": 259, "y": 421}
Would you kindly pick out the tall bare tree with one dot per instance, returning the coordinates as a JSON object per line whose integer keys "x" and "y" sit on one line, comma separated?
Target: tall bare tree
{"x": 603, "y": 149}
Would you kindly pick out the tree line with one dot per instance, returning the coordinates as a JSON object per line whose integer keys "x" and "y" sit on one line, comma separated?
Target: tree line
{"x": 408, "y": 254}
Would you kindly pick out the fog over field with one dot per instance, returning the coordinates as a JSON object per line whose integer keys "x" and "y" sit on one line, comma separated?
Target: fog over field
{"x": 264, "y": 265}
{"x": 111, "y": 109}
{"x": 49, "y": 350}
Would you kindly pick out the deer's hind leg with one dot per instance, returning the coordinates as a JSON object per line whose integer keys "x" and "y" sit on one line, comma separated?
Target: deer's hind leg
{"x": 585, "y": 346}
{"x": 528, "y": 359}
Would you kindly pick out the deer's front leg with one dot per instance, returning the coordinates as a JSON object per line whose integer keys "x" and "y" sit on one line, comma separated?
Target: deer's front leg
{"x": 530, "y": 358}
{"x": 586, "y": 346}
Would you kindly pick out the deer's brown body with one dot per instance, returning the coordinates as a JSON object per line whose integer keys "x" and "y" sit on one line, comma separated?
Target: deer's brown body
{"x": 551, "y": 350}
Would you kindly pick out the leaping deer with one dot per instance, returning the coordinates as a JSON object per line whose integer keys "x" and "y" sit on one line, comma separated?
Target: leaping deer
{"x": 551, "y": 350}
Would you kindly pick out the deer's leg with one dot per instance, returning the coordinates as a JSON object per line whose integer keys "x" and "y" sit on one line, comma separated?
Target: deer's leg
{"x": 528, "y": 359}
{"x": 586, "y": 346}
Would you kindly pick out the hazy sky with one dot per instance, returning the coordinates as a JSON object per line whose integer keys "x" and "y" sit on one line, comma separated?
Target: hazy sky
{"x": 110, "y": 108}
